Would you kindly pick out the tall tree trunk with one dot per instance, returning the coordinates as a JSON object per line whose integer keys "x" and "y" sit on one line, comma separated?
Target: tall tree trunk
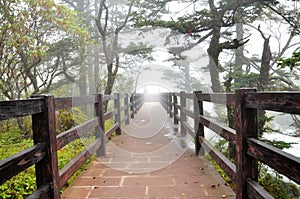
{"x": 264, "y": 77}
{"x": 238, "y": 70}
{"x": 111, "y": 77}
{"x": 239, "y": 57}
{"x": 97, "y": 68}
{"x": 214, "y": 53}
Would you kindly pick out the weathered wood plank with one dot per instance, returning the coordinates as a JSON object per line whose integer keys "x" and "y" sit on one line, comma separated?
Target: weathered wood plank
{"x": 44, "y": 131}
{"x": 72, "y": 134}
{"x": 246, "y": 127}
{"x": 19, "y": 108}
{"x": 66, "y": 172}
{"x": 109, "y": 97}
{"x": 175, "y": 113}
{"x": 188, "y": 112}
{"x": 198, "y": 127}
{"x": 275, "y": 158}
{"x": 122, "y": 96}
{"x": 108, "y": 115}
{"x": 19, "y": 162}
{"x": 100, "y": 128}
{"x": 69, "y": 102}
{"x": 188, "y": 95}
{"x": 282, "y": 102}
{"x": 171, "y": 114}
{"x": 224, "y": 131}
{"x": 182, "y": 115}
{"x": 42, "y": 192}
{"x": 256, "y": 191}
{"x": 177, "y": 106}
{"x": 117, "y": 106}
{"x": 227, "y": 166}
{"x": 126, "y": 111}
{"x": 177, "y": 117}
{"x": 110, "y": 131}
{"x": 189, "y": 129}
{"x": 219, "y": 98}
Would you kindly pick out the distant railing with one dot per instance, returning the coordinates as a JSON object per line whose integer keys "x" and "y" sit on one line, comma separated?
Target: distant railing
{"x": 49, "y": 179}
{"x": 249, "y": 149}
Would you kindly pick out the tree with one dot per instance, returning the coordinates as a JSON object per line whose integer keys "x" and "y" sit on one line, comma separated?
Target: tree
{"x": 26, "y": 34}
{"x": 110, "y": 22}
{"x": 210, "y": 21}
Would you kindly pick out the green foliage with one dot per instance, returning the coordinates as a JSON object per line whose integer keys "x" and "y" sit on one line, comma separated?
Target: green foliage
{"x": 27, "y": 33}
{"x": 12, "y": 141}
{"x": 228, "y": 181}
{"x": 276, "y": 186}
{"x": 19, "y": 186}
{"x": 291, "y": 62}
{"x": 279, "y": 144}
{"x": 68, "y": 118}
{"x": 23, "y": 184}
{"x": 123, "y": 84}
{"x": 271, "y": 180}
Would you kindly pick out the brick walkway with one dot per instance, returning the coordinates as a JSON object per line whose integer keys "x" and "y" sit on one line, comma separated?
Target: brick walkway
{"x": 149, "y": 161}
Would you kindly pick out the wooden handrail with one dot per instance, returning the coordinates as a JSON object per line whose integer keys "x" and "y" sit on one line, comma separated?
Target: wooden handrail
{"x": 249, "y": 148}
{"x": 46, "y": 141}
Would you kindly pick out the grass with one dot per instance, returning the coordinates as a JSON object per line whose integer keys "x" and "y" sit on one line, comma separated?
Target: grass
{"x": 22, "y": 185}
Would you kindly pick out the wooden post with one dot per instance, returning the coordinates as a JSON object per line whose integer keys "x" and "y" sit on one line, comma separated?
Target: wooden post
{"x": 135, "y": 102}
{"x": 100, "y": 130}
{"x": 126, "y": 104}
{"x": 44, "y": 131}
{"x": 117, "y": 106}
{"x": 131, "y": 106}
{"x": 162, "y": 100}
{"x": 170, "y": 104}
{"x": 139, "y": 102}
{"x": 166, "y": 102}
{"x": 246, "y": 127}
{"x": 175, "y": 108}
{"x": 198, "y": 128}
{"x": 182, "y": 114}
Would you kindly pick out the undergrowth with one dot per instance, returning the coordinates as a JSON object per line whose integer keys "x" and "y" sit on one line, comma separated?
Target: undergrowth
{"x": 272, "y": 181}
{"x": 12, "y": 141}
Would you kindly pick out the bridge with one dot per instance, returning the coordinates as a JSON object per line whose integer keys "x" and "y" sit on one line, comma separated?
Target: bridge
{"x": 153, "y": 149}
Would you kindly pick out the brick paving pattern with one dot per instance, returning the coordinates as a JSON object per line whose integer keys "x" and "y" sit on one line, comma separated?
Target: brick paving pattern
{"x": 160, "y": 166}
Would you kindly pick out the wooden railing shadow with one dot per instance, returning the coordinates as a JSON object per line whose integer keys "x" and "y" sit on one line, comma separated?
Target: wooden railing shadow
{"x": 42, "y": 108}
{"x": 249, "y": 149}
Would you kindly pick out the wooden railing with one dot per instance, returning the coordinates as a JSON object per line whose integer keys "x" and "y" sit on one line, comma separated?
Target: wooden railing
{"x": 249, "y": 149}
{"x": 43, "y": 154}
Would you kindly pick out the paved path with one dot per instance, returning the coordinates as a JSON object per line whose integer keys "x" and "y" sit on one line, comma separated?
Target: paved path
{"x": 149, "y": 161}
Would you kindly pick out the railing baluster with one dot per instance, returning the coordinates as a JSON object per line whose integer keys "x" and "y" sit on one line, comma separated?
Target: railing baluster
{"x": 246, "y": 127}
{"x": 182, "y": 114}
{"x": 170, "y": 104}
{"x": 198, "y": 127}
{"x": 126, "y": 111}
{"x": 117, "y": 106}
{"x": 175, "y": 108}
{"x": 44, "y": 131}
{"x": 99, "y": 130}
{"x": 131, "y": 100}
